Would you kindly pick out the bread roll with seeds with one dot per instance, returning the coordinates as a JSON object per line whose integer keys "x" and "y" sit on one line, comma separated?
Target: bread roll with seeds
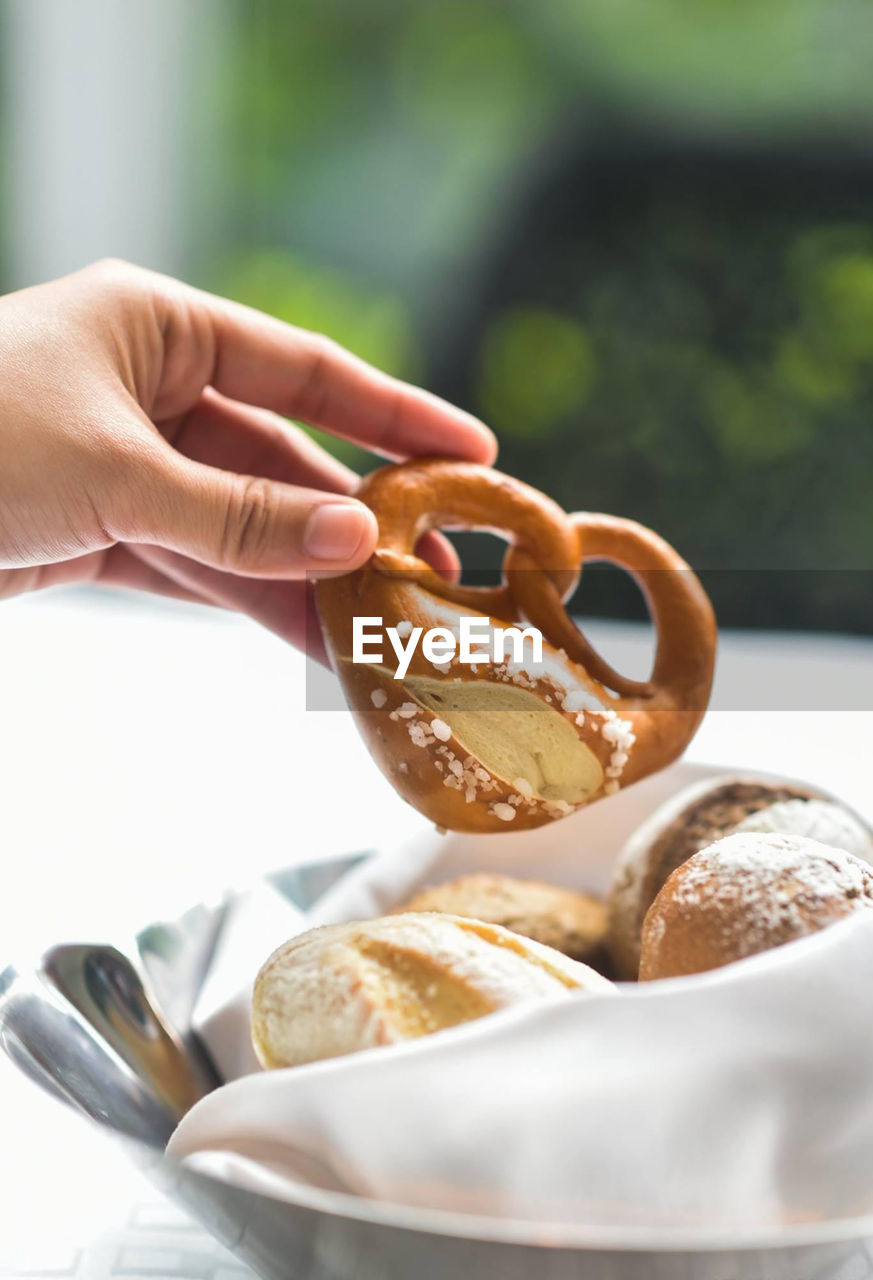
{"x": 342, "y": 988}
{"x": 694, "y": 818}
{"x": 572, "y": 923}
{"x": 745, "y": 894}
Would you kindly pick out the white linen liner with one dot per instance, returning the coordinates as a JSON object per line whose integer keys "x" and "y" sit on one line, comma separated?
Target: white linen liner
{"x": 739, "y": 1098}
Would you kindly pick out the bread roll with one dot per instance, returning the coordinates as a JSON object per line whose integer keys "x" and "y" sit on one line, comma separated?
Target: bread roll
{"x": 573, "y": 923}
{"x": 691, "y": 820}
{"x": 346, "y": 987}
{"x": 745, "y": 894}
{"x": 821, "y": 820}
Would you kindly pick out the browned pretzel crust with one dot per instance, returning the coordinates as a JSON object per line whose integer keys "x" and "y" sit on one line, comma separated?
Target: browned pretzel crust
{"x": 417, "y": 496}
{"x": 420, "y": 729}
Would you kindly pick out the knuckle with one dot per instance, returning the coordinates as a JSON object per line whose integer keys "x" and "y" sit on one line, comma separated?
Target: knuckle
{"x": 111, "y": 270}
{"x": 108, "y": 283}
{"x": 248, "y": 524}
{"x": 396, "y": 416}
{"x": 127, "y": 477}
{"x": 314, "y": 388}
{"x": 113, "y": 278}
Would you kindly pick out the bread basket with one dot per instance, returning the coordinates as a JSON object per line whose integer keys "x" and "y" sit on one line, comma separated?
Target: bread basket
{"x": 108, "y": 1033}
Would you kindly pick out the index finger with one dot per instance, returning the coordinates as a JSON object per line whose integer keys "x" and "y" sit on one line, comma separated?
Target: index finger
{"x": 264, "y": 362}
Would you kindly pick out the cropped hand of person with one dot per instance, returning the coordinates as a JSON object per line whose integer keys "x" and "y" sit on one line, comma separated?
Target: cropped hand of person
{"x": 141, "y": 445}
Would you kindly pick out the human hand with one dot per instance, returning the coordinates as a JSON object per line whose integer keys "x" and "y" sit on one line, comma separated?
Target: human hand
{"x": 140, "y": 445}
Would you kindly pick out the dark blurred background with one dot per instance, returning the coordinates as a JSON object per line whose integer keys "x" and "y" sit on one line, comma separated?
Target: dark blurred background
{"x": 635, "y": 237}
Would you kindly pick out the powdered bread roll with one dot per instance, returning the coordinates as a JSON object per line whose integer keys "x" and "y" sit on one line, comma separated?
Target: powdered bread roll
{"x": 691, "y": 820}
{"x": 346, "y": 987}
{"x": 820, "y": 820}
{"x": 574, "y": 923}
{"x": 745, "y": 894}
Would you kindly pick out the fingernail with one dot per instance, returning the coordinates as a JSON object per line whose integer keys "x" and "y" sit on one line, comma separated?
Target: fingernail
{"x": 335, "y": 531}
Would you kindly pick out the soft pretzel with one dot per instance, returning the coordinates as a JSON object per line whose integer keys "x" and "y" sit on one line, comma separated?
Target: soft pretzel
{"x": 502, "y": 745}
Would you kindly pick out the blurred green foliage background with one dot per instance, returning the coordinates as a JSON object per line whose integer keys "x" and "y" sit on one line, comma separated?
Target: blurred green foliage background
{"x": 636, "y": 238}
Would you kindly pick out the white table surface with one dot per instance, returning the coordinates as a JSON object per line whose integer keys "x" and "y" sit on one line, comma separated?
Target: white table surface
{"x": 153, "y": 755}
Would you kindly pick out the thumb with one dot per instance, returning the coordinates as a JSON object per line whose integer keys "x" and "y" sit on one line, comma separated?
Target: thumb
{"x": 250, "y": 525}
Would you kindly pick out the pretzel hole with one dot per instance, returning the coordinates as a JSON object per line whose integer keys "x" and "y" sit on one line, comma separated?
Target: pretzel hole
{"x": 481, "y": 554}
{"x": 609, "y": 607}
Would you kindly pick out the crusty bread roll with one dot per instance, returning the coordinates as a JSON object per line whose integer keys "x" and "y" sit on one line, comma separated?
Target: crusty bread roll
{"x": 570, "y": 922}
{"x": 748, "y": 893}
{"x": 506, "y": 743}
{"x": 346, "y": 987}
{"x": 694, "y": 818}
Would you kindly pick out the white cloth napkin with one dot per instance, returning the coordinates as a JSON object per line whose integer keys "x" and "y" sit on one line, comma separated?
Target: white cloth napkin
{"x": 736, "y": 1098}
{"x": 259, "y": 921}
